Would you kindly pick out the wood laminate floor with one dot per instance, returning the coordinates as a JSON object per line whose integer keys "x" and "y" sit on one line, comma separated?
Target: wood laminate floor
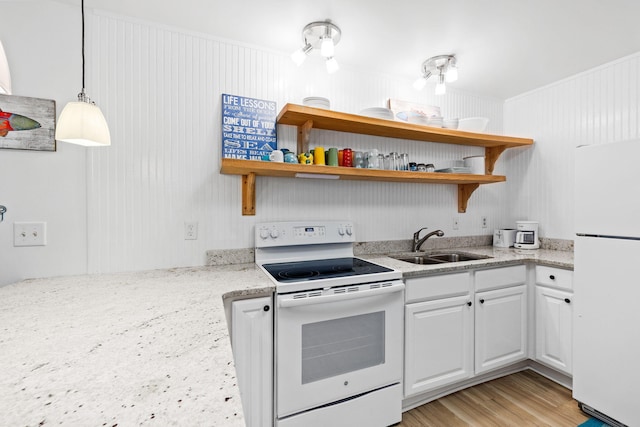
{"x": 522, "y": 399}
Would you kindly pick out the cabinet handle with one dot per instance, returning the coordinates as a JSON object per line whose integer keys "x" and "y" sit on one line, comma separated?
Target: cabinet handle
{"x": 481, "y": 300}
{"x": 266, "y": 308}
{"x": 469, "y": 303}
{"x": 552, "y": 277}
{"x": 567, "y": 300}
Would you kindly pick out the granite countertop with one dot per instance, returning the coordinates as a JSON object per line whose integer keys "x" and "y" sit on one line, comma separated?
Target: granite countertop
{"x": 145, "y": 348}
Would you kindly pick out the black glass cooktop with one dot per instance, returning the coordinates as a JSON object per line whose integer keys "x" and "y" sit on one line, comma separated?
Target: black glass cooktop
{"x": 300, "y": 271}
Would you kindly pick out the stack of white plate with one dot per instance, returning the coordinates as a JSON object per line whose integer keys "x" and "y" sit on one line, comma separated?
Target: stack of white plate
{"x": 316, "y": 102}
{"x": 435, "y": 121}
{"x": 450, "y": 123}
{"x": 418, "y": 119}
{"x": 378, "y": 113}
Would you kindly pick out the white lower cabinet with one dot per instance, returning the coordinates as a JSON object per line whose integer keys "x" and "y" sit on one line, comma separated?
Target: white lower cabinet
{"x": 554, "y": 329}
{"x": 439, "y": 343}
{"x": 500, "y": 327}
{"x": 252, "y": 342}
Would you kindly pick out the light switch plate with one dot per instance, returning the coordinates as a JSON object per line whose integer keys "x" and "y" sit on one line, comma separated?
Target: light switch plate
{"x": 29, "y": 234}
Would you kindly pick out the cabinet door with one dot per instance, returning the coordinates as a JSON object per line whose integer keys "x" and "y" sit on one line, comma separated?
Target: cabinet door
{"x": 252, "y": 342}
{"x": 438, "y": 343}
{"x": 501, "y": 327}
{"x": 554, "y": 328}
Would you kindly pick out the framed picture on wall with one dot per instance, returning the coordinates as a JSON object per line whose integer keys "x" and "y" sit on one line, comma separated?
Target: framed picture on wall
{"x": 248, "y": 127}
{"x": 405, "y": 110}
{"x": 27, "y": 123}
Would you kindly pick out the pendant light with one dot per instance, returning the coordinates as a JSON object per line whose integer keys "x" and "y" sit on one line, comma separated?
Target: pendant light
{"x": 81, "y": 122}
{"x": 5, "y": 75}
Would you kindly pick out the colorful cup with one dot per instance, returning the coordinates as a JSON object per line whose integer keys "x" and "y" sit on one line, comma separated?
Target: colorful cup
{"x": 332, "y": 157}
{"x": 290, "y": 157}
{"x": 347, "y": 158}
{"x": 276, "y": 156}
{"x": 318, "y": 156}
{"x": 340, "y": 157}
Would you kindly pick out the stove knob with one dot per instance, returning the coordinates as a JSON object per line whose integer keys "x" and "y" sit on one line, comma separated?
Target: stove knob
{"x": 264, "y": 233}
{"x": 341, "y": 230}
{"x": 349, "y": 231}
{"x": 275, "y": 233}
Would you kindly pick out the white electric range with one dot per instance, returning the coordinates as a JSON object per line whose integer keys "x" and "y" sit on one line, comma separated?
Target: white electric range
{"x": 338, "y": 327}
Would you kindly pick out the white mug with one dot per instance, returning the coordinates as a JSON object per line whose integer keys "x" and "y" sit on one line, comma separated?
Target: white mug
{"x": 276, "y": 156}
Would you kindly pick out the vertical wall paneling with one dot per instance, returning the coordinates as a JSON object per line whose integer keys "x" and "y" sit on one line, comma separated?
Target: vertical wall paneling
{"x": 160, "y": 89}
{"x": 595, "y": 107}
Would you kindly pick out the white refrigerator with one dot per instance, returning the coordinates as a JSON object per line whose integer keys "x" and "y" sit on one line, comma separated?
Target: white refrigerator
{"x": 606, "y": 343}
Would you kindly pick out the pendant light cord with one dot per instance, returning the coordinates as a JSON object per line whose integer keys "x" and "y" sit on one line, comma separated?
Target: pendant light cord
{"x": 82, "y": 9}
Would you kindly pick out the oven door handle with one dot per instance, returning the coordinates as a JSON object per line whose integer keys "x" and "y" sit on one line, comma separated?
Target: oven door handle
{"x": 322, "y": 299}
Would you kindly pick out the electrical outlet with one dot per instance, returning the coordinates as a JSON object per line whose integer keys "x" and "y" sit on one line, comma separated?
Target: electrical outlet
{"x": 190, "y": 230}
{"x": 29, "y": 234}
{"x": 484, "y": 222}
{"x": 456, "y": 222}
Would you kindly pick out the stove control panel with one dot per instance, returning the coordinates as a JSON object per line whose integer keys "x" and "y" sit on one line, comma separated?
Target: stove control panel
{"x": 269, "y": 234}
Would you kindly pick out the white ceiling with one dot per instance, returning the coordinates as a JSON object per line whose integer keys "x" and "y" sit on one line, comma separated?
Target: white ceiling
{"x": 504, "y": 47}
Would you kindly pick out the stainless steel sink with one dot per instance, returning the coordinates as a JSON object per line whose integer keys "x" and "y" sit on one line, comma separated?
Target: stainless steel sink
{"x": 439, "y": 257}
{"x": 420, "y": 260}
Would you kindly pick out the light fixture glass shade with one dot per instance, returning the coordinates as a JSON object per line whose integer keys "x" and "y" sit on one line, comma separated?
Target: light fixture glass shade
{"x": 300, "y": 55}
{"x": 420, "y": 83}
{"x": 332, "y": 65}
{"x": 82, "y": 123}
{"x": 5, "y": 75}
{"x": 452, "y": 73}
{"x": 327, "y": 48}
{"x": 441, "y": 89}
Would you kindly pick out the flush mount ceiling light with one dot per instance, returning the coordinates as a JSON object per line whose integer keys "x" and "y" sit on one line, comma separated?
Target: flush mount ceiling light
{"x": 444, "y": 67}
{"x": 5, "y": 75}
{"x": 82, "y": 122}
{"x": 322, "y": 35}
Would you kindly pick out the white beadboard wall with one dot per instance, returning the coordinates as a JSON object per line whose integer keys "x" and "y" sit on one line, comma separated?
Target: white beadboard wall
{"x": 160, "y": 90}
{"x": 597, "y": 106}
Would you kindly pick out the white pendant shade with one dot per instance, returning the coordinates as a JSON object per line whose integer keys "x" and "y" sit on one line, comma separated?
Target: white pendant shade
{"x": 5, "y": 75}
{"x": 83, "y": 123}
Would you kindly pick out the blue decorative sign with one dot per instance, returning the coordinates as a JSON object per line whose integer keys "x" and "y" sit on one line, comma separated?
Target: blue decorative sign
{"x": 248, "y": 127}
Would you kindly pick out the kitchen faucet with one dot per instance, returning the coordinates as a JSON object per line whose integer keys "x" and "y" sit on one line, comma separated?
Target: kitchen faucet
{"x": 417, "y": 242}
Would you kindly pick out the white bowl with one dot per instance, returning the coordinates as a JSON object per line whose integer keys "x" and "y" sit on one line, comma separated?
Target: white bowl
{"x": 316, "y": 102}
{"x": 475, "y": 164}
{"x": 473, "y": 124}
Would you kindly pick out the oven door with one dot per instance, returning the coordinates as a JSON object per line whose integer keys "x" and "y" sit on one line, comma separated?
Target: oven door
{"x": 337, "y": 343}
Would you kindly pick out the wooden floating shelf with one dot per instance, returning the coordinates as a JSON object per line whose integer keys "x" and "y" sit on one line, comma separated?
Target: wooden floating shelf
{"x": 249, "y": 169}
{"x": 308, "y": 118}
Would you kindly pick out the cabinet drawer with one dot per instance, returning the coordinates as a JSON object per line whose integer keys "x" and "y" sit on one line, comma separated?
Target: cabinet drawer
{"x": 555, "y": 277}
{"x": 500, "y": 277}
{"x": 423, "y": 288}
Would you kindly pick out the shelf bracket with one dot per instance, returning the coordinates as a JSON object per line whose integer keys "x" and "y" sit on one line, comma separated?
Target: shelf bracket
{"x": 491, "y": 155}
{"x": 304, "y": 133}
{"x": 249, "y": 194}
{"x": 464, "y": 192}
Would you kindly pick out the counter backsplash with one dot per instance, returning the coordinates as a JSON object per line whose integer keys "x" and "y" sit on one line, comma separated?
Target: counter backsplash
{"x": 241, "y": 256}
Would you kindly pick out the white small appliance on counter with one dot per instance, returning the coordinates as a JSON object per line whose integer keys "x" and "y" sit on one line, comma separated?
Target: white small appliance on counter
{"x": 527, "y": 235}
{"x": 504, "y": 237}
